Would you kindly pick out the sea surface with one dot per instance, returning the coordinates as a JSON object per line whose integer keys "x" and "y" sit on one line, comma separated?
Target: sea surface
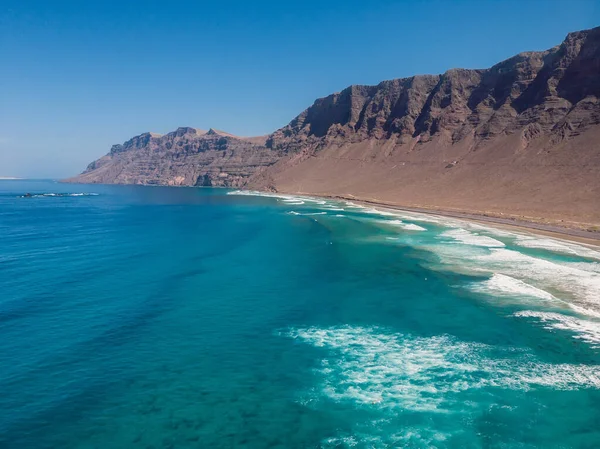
{"x": 152, "y": 317}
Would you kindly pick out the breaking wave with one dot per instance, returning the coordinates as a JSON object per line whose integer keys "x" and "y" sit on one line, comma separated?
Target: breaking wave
{"x": 502, "y": 285}
{"x": 401, "y": 224}
{"x": 575, "y": 283}
{"x": 471, "y": 238}
{"x": 374, "y": 367}
{"x": 555, "y": 246}
{"x": 293, "y": 212}
{"x": 585, "y": 330}
{"x": 42, "y": 195}
{"x": 514, "y": 291}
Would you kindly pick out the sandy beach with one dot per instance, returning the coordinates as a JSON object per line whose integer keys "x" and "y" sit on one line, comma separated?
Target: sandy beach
{"x": 566, "y": 232}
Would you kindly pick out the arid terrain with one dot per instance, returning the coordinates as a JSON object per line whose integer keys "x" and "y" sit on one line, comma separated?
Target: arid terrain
{"x": 519, "y": 140}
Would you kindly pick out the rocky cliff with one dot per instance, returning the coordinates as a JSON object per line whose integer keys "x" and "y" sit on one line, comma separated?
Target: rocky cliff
{"x": 187, "y": 156}
{"x": 521, "y": 138}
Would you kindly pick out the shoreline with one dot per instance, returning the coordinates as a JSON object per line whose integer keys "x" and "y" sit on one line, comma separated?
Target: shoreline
{"x": 589, "y": 238}
{"x": 581, "y": 236}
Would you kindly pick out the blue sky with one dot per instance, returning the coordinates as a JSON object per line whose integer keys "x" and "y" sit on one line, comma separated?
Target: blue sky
{"x": 77, "y": 77}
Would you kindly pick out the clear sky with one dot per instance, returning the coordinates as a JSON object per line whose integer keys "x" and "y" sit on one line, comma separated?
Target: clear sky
{"x": 77, "y": 77}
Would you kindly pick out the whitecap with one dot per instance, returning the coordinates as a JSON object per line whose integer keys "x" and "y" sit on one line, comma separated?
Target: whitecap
{"x": 401, "y": 224}
{"x": 281, "y": 196}
{"x": 471, "y": 238}
{"x": 503, "y": 285}
{"x": 413, "y": 227}
{"x": 584, "y": 285}
{"x": 375, "y": 367}
{"x": 570, "y": 283}
{"x": 307, "y": 214}
{"x": 370, "y": 436}
{"x": 500, "y": 285}
{"x": 384, "y": 213}
{"x": 588, "y": 331}
{"x": 555, "y": 246}
{"x": 51, "y": 195}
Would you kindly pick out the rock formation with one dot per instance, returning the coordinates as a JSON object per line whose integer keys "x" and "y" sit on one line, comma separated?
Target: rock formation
{"x": 521, "y": 138}
{"x": 185, "y": 157}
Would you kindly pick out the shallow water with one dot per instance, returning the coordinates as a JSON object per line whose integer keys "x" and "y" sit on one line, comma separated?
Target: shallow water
{"x": 152, "y": 317}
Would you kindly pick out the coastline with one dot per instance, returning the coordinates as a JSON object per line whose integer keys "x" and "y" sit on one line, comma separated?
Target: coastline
{"x": 576, "y": 235}
{"x": 580, "y": 236}
{"x": 589, "y": 238}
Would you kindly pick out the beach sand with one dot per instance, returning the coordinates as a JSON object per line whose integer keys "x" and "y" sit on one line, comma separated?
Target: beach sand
{"x": 574, "y": 232}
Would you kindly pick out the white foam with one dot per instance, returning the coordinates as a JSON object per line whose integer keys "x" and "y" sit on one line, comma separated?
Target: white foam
{"x": 426, "y": 219}
{"x": 351, "y": 204}
{"x": 471, "y": 238}
{"x": 401, "y": 224}
{"x": 588, "y": 331}
{"x": 42, "y": 195}
{"x": 414, "y": 227}
{"x": 307, "y": 214}
{"x": 556, "y": 246}
{"x": 584, "y": 285}
{"x": 500, "y": 284}
{"x": 488, "y": 229}
{"x": 384, "y": 213}
{"x": 509, "y": 287}
{"x": 371, "y": 435}
{"x": 584, "y": 266}
{"x": 257, "y": 193}
{"x": 570, "y": 282}
{"x": 375, "y": 367}
{"x": 282, "y": 196}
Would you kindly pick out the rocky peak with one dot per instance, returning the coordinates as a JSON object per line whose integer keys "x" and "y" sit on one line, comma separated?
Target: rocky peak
{"x": 459, "y": 102}
{"x": 187, "y": 131}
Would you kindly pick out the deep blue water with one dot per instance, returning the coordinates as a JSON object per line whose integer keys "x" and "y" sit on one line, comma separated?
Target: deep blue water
{"x": 150, "y": 317}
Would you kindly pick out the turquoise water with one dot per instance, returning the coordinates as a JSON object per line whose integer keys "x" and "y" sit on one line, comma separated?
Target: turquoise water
{"x": 149, "y": 317}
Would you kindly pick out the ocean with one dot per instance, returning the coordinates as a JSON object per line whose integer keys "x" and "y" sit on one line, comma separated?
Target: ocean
{"x": 155, "y": 317}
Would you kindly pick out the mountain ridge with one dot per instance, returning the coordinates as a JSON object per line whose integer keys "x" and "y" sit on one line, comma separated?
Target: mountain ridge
{"x": 520, "y": 137}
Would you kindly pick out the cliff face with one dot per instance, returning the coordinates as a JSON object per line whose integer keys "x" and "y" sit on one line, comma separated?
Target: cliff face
{"x": 187, "y": 156}
{"x": 554, "y": 92}
{"x": 521, "y": 138}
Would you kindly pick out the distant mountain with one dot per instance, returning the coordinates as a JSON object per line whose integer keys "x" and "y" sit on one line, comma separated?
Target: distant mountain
{"x": 520, "y": 138}
{"x": 187, "y": 156}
